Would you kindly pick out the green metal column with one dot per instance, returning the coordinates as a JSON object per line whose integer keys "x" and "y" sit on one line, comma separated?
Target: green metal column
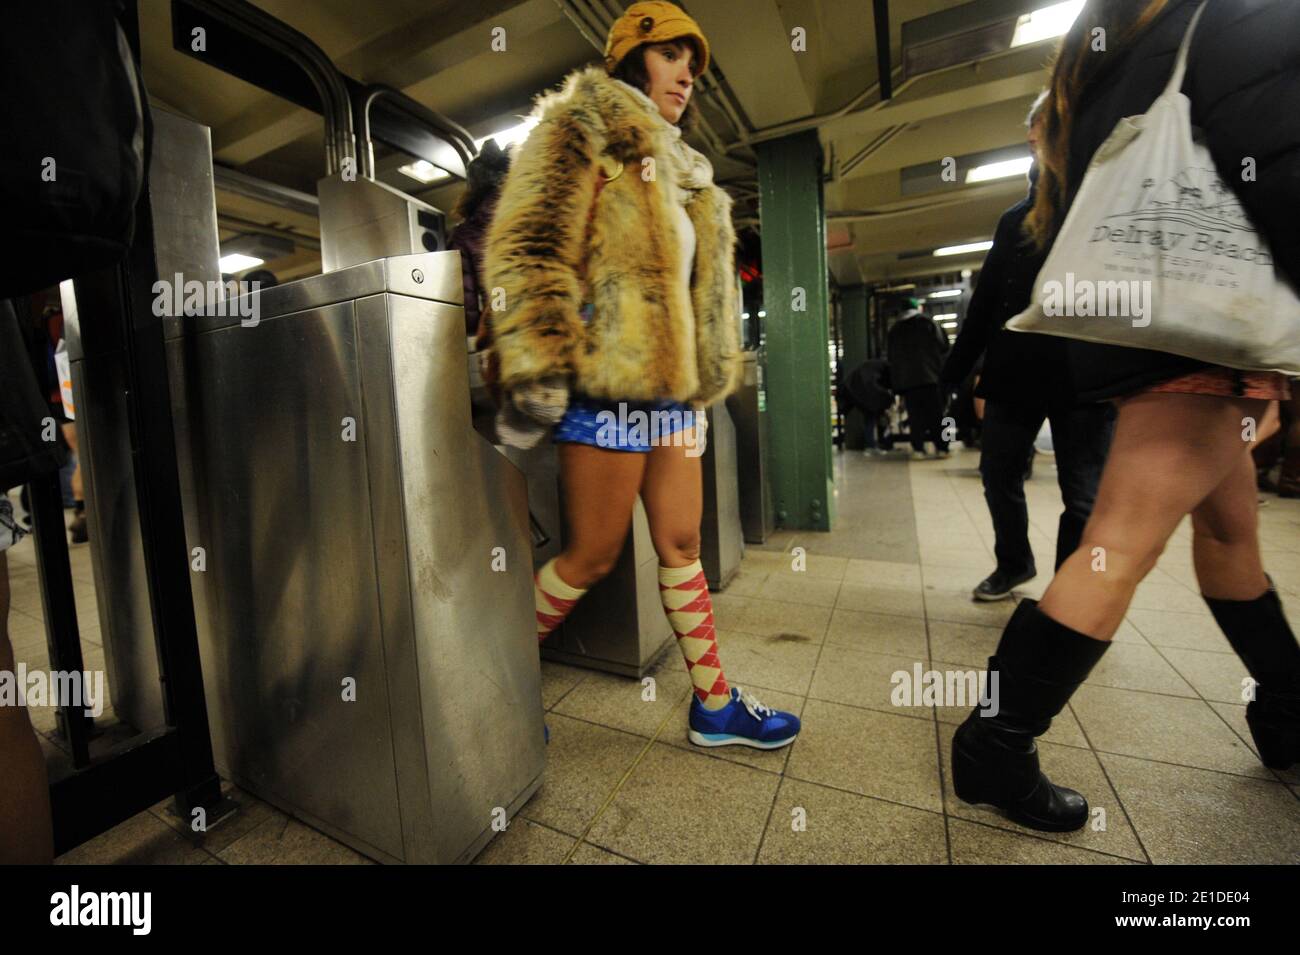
{"x": 797, "y": 330}
{"x": 853, "y": 316}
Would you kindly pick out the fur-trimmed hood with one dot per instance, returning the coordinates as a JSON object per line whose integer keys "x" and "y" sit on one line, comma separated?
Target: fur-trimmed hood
{"x": 555, "y": 245}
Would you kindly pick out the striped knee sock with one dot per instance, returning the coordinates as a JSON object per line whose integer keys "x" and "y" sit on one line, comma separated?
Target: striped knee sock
{"x": 554, "y": 599}
{"x": 685, "y": 596}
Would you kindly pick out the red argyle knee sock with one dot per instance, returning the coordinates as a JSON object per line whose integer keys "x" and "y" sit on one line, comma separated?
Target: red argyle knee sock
{"x": 685, "y": 596}
{"x": 554, "y": 599}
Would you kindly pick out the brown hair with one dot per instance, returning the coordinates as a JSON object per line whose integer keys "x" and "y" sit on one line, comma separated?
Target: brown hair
{"x": 632, "y": 71}
{"x": 1073, "y": 68}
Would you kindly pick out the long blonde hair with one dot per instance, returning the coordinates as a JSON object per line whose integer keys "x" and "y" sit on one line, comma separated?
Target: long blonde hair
{"x": 1073, "y": 67}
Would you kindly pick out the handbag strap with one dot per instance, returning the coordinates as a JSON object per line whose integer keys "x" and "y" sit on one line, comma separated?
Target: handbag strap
{"x": 1180, "y": 66}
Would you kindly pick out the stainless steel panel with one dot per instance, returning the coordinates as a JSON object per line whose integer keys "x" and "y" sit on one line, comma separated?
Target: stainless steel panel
{"x": 722, "y": 543}
{"x": 470, "y": 570}
{"x": 291, "y": 593}
{"x": 185, "y": 239}
{"x": 369, "y": 559}
{"x": 435, "y": 277}
{"x": 362, "y": 219}
{"x": 757, "y": 516}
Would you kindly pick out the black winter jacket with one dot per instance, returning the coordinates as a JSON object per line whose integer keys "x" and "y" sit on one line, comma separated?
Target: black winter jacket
{"x": 916, "y": 346}
{"x": 1020, "y": 367}
{"x": 1243, "y": 80}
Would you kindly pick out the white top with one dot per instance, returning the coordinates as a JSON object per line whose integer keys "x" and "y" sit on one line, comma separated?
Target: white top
{"x": 686, "y": 255}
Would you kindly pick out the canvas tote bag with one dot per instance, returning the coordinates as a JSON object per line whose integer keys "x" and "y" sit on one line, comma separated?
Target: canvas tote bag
{"x": 1156, "y": 252}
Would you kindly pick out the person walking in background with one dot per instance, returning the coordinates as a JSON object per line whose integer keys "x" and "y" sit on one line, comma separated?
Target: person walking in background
{"x": 1025, "y": 381}
{"x": 915, "y": 349}
{"x": 1178, "y": 447}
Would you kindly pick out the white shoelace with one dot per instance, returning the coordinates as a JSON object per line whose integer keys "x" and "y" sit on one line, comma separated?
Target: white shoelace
{"x": 756, "y": 709}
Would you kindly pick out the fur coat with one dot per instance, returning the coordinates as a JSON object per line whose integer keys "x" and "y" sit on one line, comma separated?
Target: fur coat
{"x": 548, "y": 252}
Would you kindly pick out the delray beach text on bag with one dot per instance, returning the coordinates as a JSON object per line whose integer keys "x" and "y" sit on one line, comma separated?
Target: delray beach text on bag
{"x": 1168, "y": 241}
{"x": 1088, "y": 299}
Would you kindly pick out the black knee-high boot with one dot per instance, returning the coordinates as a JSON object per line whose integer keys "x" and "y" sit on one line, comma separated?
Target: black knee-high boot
{"x": 1259, "y": 633}
{"x": 1039, "y": 664}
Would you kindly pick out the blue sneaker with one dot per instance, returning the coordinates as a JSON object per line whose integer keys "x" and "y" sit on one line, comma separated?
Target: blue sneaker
{"x": 742, "y": 722}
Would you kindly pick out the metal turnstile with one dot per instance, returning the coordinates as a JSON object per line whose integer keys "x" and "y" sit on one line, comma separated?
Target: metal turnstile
{"x": 360, "y": 556}
{"x": 749, "y": 413}
{"x": 722, "y": 541}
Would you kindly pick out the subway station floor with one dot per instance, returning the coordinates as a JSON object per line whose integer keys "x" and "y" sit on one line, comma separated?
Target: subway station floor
{"x": 1156, "y": 738}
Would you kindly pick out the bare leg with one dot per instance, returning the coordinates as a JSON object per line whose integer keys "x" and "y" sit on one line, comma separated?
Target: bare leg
{"x": 1169, "y": 453}
{"x": 25, "y": 829}
{"x": 1225, "y": 538}
{"x": 600, "y": 488}
{"x": 673, "y": 494}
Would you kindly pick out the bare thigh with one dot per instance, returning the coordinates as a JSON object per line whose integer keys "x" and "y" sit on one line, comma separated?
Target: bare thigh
{"x": 1225, "y": 537}
{"x": 600, "y": 488}
{"x": 673, "y": 494}
{"x": 1169, "y": 453}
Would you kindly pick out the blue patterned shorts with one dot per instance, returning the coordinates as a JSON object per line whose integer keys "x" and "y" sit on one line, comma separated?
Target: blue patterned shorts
{"x": 623, "y": 425}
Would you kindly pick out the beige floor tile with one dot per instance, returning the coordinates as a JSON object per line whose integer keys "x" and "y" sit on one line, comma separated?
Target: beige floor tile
{"x": 583, "y": 765}
{"x": 558, "y": 679}
{"x": 974, "y": 844}
{"x": 813, "y": 563}
{"x": 1187, "y": 815}
{"x": 883, "y": 573}
{"x": 681, "y": 807}
{"x": 1185, "y": 630}
{"x": 281, "y": 840}
{"x": 963, "y": 643}
{"x": 877, "y": 633}
{"x": 770, "y": 617}
{"x": 1215, "y": 676}
{"x": 587, "y": 854}
{"x": 1234, "y": 714}
{"x": 885, "y": 600}
{"x": 855, "y": 678}
{"x": 1107, "y": 830}
{"x": 1164, "y": 728}
{"x": 958, "y": 606}
{"x": 812, "y": 824}
{"x": 626, "y": 704}
{"x": 784, "y": 661}
{"x": 875, "y": 754}
{"x": 1168, "y": 597}
{"x": 526, "y": 843}
{"x": 1132, "y": 667}
{"x": 801, "y": 588}
{"x": 141, "y": 840}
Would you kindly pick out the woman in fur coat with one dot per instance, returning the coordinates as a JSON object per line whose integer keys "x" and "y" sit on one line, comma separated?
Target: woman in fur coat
{"x": 610, "y": 277}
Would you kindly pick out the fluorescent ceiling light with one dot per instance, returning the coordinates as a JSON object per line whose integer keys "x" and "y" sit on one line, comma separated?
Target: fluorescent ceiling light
{"x": 1046, "y": 22}
{"x": 237, "y": 262}
{"x": 744, "y": 314}
{"x": 508, "y": 137}
{"x": 897, "y": 288}
{"x": 946, "y": 293}
{"x": 946, "y": 316}
{"x": 762, "y": 314}
{"x": 962, "y": 249}
{"x": 424, "y": 171}
{"x": 1000, "y": 170}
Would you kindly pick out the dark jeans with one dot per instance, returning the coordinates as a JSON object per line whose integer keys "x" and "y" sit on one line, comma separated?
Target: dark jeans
{"x": 1081, "y": 438}
{"x": 924, "y": 408}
